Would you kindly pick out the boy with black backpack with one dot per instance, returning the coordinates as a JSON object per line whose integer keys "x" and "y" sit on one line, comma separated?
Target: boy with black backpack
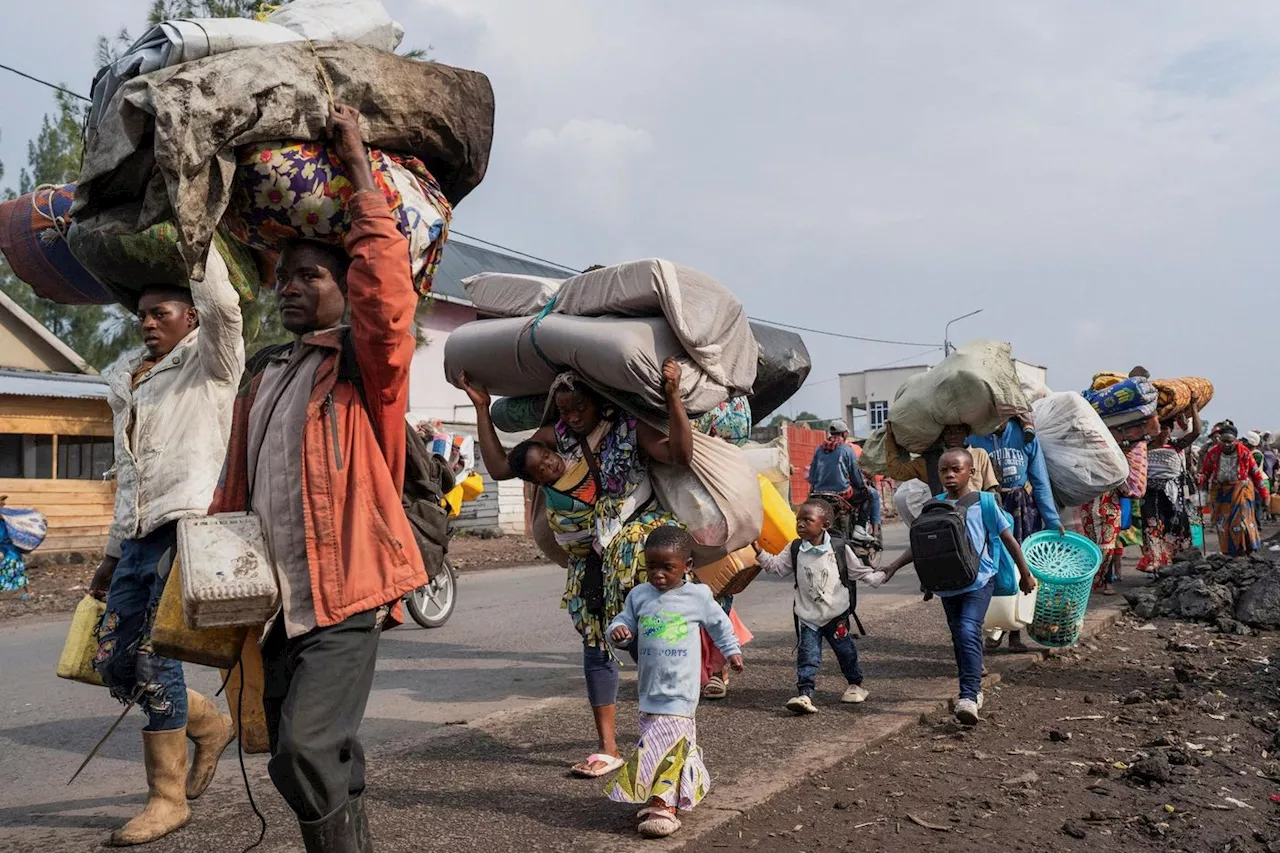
{"x": 825, "y": 570}
{"x": 964, "y": 551}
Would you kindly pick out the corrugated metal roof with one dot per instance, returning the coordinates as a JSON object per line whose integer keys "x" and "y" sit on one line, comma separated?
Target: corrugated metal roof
{"x": 31, "y": 383}
{"x": 463, "y": 260}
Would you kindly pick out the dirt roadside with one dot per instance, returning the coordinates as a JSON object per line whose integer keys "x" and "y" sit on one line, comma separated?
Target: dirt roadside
{"x": 54, "y": 587}
{"x": 1148, "y": 737}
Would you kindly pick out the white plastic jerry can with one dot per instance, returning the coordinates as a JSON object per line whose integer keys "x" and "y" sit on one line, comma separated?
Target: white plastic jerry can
{"x": 1009, "y": 613}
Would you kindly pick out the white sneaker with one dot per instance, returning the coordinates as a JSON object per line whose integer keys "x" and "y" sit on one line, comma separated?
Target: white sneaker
{"x": 801, "y": 705}
{"x": 855, "y": 695}
{"x": 980, "y": 698}
{"x": 967, "y": 712}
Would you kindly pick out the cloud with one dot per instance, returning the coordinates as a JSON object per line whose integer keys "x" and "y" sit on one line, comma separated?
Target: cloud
{"x": 594, "y": 155}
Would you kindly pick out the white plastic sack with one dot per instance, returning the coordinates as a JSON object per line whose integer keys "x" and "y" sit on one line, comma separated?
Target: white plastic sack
{"x": 364, "y": 22}
{"x": 510, "y": 295}
{"x": 1083, "y": 459}
{"x": 910, "y": 498}
{"x": 1032, "y": 386}
{"x": 717, "y": 497}
{"x": 977, "y": 385}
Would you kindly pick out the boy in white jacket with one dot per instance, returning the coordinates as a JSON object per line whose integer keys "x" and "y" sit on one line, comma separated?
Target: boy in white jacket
{"x": 172, "y": 414}
{"x": 822, "y": 602}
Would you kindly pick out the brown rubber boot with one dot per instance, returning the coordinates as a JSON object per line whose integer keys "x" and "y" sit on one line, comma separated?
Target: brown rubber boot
{"x": 211, "y": 731}
{"x": 165, "y": 755}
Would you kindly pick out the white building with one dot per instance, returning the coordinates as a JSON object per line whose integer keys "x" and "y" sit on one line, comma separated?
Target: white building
{"x": 865, "y": 396}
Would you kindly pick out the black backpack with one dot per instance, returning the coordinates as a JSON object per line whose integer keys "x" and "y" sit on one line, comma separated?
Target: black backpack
{"x": 842, "y": 565}
{"x": 944, "y": 557}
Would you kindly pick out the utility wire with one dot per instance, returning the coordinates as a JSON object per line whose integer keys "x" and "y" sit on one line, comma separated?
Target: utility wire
{"x": 900, "y": 360}
{"x": 509, "y": 250}
{"x": 44, "y": 82}
{"x": 554, "y": 263}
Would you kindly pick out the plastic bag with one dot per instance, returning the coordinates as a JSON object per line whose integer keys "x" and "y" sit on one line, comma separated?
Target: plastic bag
{"x": 361, "y": 21}
{"x": 717, "y": 497}
{"x": 1083, "y": 458}
{"x": 910, "y": 498}
{"x": 27, "y": 527}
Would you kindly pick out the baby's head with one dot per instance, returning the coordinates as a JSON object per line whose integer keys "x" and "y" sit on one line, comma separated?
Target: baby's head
{"x": 668, "y": 556}
{"x": 535, "y": 462}
{"x": 813, "y": 520}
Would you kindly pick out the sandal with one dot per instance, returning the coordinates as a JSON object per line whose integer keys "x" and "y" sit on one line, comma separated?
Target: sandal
{"x": 610, "y": 764}
{"x": 658, "y": 823}
{"x": 716, "y": 688}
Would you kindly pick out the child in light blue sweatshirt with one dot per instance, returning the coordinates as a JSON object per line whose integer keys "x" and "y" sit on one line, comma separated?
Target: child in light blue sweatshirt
{"x": 661, "y": 620}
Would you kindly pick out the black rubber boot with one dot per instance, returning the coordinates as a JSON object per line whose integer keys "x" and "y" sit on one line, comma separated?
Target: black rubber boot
{"x": 345, "y": 830}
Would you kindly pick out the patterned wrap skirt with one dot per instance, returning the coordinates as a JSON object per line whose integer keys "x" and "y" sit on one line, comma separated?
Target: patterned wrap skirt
{"x": 666, "y": 765}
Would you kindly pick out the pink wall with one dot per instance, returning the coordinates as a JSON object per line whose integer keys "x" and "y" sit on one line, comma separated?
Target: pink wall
{"x": 430, "y": 395}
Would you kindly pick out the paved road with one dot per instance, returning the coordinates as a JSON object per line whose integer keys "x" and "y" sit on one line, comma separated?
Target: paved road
{"x": 508, "y": 645}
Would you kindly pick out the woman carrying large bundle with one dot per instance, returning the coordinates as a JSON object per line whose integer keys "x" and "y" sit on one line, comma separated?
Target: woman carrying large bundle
{"x": 593, "y": 465}
{"x": 1233, "y": 480}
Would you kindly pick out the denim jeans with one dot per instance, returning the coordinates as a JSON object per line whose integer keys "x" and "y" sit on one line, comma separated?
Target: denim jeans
{"x": 809, "y": 654}
{"x": 125, "y": 659}
{"x": 965, "y": 614}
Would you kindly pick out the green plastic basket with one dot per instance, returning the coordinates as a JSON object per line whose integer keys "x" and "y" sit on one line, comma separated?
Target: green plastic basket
{"x": 1064, "y": 565}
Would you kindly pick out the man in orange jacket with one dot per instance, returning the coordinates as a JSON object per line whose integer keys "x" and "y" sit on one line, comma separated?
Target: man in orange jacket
{"x": 317, "y": 450}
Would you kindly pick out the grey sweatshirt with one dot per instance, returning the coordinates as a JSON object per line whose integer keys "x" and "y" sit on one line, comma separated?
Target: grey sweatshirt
{"x": 669, "y": 644}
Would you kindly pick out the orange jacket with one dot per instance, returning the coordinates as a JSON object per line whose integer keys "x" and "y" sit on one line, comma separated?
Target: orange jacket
{"x": 360, "y": 546}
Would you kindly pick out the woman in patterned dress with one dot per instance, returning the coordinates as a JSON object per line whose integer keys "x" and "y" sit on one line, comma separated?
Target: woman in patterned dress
{"x": 1233, "y": 480}
{"x": 593, "y": 465}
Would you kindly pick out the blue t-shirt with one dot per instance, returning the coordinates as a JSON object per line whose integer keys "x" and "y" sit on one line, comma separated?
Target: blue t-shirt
{"x": 977, "y": 528}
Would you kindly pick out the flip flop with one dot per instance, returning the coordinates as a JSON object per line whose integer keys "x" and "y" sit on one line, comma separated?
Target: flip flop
{"x": 659, "y": 824}
{"x": 610, "y": 762}
{"x": 716, "y": 688}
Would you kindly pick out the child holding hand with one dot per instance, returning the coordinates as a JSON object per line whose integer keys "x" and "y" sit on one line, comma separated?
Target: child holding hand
{"x": 824, "y": 568}
{"x": 661, "y": 620}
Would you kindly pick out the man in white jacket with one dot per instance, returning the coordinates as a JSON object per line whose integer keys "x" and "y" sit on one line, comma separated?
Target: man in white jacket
{"x": 172, "y": 416}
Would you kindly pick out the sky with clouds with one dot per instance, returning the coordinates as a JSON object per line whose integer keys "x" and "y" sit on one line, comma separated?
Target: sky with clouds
{"x": 1101, "y": 178}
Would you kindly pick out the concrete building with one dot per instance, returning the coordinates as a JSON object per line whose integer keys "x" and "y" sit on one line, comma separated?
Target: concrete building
{"x": 865, "y": 396}
{"x": 55, "y": 433}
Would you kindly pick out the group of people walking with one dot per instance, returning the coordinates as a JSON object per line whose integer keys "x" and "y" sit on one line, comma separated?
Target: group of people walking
{"x": 310, "y": 438}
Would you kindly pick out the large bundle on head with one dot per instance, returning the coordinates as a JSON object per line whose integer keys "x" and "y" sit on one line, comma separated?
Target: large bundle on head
{"x": 1128, "y": 401}
{"x": 65, "y": 263}
{"x": 707, "y": 326}
{"x": 1083, "y": 458}
{"x": 613, "y": 326}
{"x": 168, "y": 144}
{"x": 977, "y": 385}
